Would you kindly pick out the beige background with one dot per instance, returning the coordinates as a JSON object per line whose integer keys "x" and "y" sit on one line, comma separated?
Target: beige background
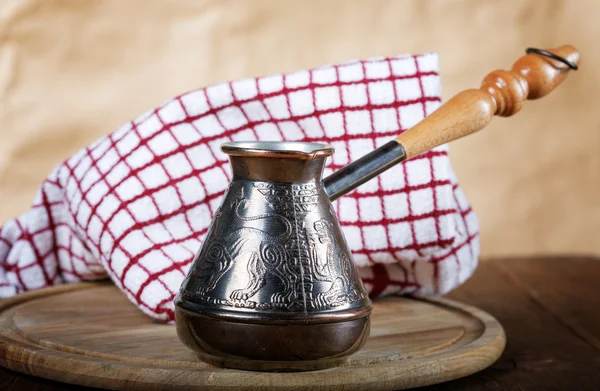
{"x": 73, "y": 70}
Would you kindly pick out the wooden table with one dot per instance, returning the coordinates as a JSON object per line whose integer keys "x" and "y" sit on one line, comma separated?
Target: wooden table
{"x": 549, "y": 306}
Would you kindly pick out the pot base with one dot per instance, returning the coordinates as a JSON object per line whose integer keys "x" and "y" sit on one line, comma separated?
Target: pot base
{"x": 271, "y": 347}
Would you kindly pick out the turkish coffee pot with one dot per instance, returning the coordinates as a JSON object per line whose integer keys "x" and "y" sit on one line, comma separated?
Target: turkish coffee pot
{"x": 273, "y": 286}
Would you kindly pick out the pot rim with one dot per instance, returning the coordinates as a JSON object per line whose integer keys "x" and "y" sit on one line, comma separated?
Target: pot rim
{"x": 278, "y": 149}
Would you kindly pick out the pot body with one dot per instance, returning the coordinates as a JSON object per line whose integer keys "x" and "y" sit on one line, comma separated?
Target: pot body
{"x": 274, "y": 286}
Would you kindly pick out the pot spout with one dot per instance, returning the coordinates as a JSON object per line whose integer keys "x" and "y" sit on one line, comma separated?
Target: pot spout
{"x": 367, "y": 167}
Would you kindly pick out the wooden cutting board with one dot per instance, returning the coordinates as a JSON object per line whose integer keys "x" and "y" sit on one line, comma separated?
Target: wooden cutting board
{"x": 90, "y": 334}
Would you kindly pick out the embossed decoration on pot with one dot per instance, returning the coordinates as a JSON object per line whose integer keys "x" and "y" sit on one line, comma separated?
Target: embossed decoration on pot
{"x": 274, "y": 286}
{"x": 275, "y": 280}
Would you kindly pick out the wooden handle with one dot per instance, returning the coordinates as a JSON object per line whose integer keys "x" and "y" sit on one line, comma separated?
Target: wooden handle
{"x": 501, "y": 93}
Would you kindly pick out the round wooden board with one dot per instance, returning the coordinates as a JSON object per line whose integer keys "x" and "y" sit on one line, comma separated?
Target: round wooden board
{"x": 90, "y": 334}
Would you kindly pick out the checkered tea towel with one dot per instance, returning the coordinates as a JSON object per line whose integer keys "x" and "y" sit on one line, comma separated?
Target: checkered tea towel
{"x": 136, "y": 204}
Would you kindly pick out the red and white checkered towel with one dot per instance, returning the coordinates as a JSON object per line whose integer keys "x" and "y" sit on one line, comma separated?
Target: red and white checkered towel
{"x": 136, "y": 204}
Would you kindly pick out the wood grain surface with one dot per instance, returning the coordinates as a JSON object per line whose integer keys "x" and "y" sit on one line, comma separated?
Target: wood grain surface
{"x": 90, "y": 334}
{"x": 549, "y": 307}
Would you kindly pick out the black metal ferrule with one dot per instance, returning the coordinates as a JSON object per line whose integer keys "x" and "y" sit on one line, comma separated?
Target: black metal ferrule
{"x": 367, "y": 167}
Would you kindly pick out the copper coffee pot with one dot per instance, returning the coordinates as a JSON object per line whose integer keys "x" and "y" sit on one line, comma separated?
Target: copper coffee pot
{"x": 274, "y": 286}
